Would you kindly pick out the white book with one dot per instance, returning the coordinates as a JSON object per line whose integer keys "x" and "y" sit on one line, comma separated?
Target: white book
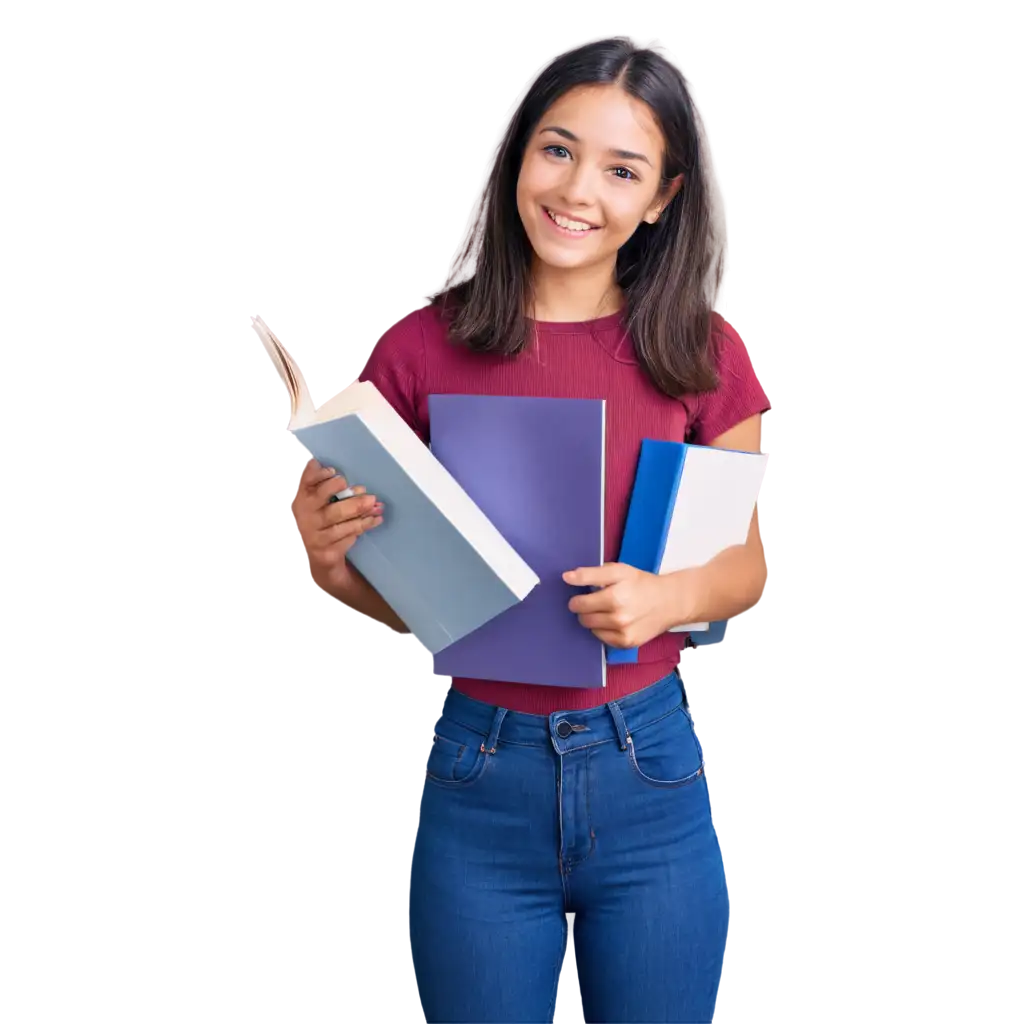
{"x": 713, "y": 508}
{"x": 436, "y": 559}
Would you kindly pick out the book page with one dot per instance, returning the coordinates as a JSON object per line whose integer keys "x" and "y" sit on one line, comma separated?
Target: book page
{"x": 714, "y": 506}
{"x": 303, "y": 410}
{"x": 325, "y": 350}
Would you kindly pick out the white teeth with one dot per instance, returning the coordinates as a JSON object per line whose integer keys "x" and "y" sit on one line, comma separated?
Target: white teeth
{"x": 571, "y": 225}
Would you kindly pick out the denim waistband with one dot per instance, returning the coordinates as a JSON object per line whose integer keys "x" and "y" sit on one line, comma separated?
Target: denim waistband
{"x": 567, "y": 730}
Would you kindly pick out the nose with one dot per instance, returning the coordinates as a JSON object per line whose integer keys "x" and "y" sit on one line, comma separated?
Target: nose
{"x": 577, "y": 186}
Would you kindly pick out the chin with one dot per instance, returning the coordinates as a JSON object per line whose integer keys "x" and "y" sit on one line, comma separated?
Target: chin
{"x": 562, "y": 260}
{"x": 555, "y": 255}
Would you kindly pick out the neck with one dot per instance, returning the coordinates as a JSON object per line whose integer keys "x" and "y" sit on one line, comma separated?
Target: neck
{"x": 571, "y": 294}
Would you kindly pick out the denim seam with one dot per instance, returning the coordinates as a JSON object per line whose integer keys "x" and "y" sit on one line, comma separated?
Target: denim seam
{"x": 668, "y": 783}
{"x": 655, "y": 721}
{"x": 572, "y": 863}
{"x": 665, "y": 783}
{"x": 587, "y": 746}
{"x": 474, "y": 775}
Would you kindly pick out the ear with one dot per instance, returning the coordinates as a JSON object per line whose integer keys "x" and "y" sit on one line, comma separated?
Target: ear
{"x": 667, "y": 194}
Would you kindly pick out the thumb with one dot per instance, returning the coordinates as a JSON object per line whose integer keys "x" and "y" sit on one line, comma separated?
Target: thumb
{"x": 595, "y": 575}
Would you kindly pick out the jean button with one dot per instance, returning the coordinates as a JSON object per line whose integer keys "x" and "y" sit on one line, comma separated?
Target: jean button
{"x": 564, "y": 729}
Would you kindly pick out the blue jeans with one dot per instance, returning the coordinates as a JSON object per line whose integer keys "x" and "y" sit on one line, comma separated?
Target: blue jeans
{"x": 603, "y": 813}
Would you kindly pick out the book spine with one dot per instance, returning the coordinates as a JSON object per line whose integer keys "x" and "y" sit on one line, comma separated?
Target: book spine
{"x": 655, "y": 487}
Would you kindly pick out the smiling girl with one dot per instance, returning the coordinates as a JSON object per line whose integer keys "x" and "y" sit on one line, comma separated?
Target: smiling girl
{"x": 597, "y": 258}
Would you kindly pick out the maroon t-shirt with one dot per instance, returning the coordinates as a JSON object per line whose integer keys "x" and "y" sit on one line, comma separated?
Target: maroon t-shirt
{"x": 589, "y": 359}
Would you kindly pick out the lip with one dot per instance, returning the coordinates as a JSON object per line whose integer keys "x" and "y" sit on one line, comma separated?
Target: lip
{"x": 565, "y": 232}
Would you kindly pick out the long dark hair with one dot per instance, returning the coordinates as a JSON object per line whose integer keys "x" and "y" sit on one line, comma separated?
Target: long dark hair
{"x": 670, "y": 271}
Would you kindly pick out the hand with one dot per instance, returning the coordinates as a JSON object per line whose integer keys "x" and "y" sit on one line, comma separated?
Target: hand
{"x": 631, "y": 607}
{"x": 329, "y": 529}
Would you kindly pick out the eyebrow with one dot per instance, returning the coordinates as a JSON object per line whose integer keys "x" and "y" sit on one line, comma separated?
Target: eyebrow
{"x": 622, "y": 154}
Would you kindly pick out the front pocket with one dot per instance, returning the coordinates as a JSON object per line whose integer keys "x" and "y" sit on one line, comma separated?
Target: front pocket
{"x": 455, "y": 756}
{"x": 667, "y": 753}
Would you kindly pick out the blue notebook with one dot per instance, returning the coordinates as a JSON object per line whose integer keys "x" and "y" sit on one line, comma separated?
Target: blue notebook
{"x": 535, "y": 466}
{"x": 688, "y": 503}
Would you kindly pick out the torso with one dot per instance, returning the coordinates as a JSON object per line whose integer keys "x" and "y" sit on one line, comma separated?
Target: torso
{"x": 593, "y": 359}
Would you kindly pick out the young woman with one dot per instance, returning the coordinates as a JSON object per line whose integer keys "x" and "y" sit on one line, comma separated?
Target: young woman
{"x": 598, "y": 256}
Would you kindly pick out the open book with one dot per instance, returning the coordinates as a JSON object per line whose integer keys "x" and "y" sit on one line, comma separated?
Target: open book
{"x": 436, "y": 559}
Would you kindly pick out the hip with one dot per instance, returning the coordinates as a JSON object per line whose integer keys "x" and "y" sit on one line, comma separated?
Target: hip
{"x": 623, "y": 759}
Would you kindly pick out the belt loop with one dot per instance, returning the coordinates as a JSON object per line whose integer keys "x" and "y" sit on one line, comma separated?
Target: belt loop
{"x": 682, "y": 687}
{"x": 620, "y": 724}
{"x": 492, "y": 739}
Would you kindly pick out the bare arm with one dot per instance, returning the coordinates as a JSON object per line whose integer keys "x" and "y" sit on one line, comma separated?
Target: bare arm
{"x": 357, "y": 593}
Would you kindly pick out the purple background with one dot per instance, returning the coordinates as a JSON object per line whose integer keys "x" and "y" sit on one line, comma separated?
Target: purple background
{"x": 206, "y": 778}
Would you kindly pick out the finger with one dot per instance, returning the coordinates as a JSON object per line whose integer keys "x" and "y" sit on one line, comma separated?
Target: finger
{"x": 331, "y": 486}
{"x": 313, "y": 473}
{"x": 596, "y": 575}
{"x": 603, "y": 600}
{"x": 348, "y": 508}
{"x": 612, "y": 637}
{"x": 308, "y": 526}
{"x": 332, "y": 535}
{"x": 334, "y": 532}
{"x": 602, "y": 620}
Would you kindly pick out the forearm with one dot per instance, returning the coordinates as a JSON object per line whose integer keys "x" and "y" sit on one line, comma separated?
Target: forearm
{"x": 729, "y": 584}
{"x": 357, "y": 593}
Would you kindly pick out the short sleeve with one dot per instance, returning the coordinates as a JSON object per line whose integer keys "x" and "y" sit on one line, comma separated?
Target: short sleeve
{"x": 395, "y": 368}
{"x": 739, "y": 394}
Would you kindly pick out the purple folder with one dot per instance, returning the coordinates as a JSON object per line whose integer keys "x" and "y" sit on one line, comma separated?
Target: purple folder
{"x": 535, "y": 466}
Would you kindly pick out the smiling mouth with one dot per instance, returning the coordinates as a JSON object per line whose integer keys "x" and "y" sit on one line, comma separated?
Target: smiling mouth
{"x": 569, "y": 224}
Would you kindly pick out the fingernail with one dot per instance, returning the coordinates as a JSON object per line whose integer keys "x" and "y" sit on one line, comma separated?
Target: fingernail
{"x": 378, "y": 507}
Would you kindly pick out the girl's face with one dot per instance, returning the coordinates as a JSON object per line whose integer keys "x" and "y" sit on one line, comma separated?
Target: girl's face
{"x": 590, "y": 175}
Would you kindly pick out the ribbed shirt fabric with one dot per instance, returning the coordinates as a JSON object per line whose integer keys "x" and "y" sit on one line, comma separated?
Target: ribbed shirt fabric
{"x": 587, "y": 359}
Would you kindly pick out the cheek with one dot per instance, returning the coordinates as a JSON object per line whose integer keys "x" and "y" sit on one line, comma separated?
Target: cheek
{"x": 623, "y": 214}
{"x": 536, "y": 179}
{"x": 526, "y": 190}
{"x": 521, "y": 194}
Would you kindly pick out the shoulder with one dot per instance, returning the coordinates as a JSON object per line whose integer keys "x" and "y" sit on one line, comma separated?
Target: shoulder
{"x": 739, "y": 393}
{"x": 727, "y": 347}
{"x": 395, "y": 363}
{"x": 402, "y": 342}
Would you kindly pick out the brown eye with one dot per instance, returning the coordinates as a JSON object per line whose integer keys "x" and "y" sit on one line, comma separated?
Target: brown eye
{"x": 625, "y": 170}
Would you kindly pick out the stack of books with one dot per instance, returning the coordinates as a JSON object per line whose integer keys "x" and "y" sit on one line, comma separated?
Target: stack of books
{"x": 509, "y": 495}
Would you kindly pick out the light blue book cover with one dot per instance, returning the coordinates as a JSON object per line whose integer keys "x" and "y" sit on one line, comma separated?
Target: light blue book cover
{"x": 439, "y": 585}
{"x": 436, "y": 559}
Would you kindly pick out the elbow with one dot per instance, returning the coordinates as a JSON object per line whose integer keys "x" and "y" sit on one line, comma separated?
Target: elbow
{"x": 758, "y": 578}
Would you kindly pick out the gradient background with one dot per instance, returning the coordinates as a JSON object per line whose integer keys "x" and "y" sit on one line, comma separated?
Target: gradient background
{"x": 207, "y": 813}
